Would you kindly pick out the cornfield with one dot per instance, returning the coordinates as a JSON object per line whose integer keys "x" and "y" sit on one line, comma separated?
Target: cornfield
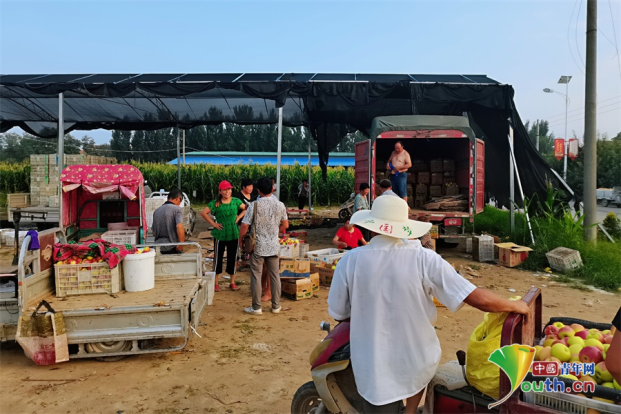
{"x": 14, "y": 177}
{"x": 204, "y": 178}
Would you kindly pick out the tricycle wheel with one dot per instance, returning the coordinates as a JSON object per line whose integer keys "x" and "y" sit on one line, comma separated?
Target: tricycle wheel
{"x": 306, "y": 399}
{"x": 109, "y": 347}
{"x": 344, "y": 214}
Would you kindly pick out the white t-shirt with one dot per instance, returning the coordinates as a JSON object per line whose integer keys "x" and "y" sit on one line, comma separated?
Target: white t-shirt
{"x": 386, "y": 289}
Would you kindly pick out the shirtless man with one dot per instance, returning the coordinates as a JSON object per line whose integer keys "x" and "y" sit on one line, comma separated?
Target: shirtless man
{"x": 397, "y": 166}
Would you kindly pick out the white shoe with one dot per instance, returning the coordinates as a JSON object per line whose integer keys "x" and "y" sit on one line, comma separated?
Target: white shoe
{"x": 254, "y": 311}
{"x": 278, "y": 309}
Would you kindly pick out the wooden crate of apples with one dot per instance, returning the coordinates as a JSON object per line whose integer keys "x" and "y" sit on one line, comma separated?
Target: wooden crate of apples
{"x": 575, "y": 343}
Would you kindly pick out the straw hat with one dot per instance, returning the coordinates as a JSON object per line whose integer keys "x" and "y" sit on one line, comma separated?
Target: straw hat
{"x": 389, "y": 216}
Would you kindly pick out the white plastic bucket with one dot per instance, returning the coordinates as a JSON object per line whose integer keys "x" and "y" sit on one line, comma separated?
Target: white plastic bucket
{"x": 139, "y": 271}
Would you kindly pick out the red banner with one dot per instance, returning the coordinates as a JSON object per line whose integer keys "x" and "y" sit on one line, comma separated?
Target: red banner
{"x": 559, "y": 148}
{"x": 573, "y": 149}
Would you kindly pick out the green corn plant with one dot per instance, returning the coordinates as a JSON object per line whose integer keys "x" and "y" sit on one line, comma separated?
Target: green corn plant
{"x": 204, "y": 179}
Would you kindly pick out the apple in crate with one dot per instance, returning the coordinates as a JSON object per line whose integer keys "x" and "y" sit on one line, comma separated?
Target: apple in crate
{"x": 577, "y": 327}
{"x": 582, "y": 334}
{"x": 606, "y": 346}
{"x": 595, "y": 343}
{"x": 545, "y": 353}
{"x": 590, "y": 354}
{"x": 561, "y": 352}
{"x": 602, "y": 372}
{"x": 575, "y": 340}
{"x": 146, "y": 249}
{"x": 559, "y": 325}
{"x": 551, "y": 330}
{"x": 575, "y": 352}
{"x": 566, "y": 331}
{"x": 549, "y": 341}
{"x": 595, "y": 334}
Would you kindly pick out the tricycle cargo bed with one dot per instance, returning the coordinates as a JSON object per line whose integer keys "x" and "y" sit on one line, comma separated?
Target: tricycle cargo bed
{"x": 162, "y": 312}
{"x": 169, "y": 293}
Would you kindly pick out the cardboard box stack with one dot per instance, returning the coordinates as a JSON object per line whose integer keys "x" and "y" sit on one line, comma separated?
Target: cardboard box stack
{"x": 426, "y": 179}
{"x": 434, "y": 178}
{"x": 298, "y": 280}
{"x": 44, "y": 174}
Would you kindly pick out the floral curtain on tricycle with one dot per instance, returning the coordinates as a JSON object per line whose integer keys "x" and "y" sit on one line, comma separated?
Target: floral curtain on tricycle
{"x": 96, "y": 180}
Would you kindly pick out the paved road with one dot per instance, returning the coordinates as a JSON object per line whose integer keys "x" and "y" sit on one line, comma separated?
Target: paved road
{"x": 602, "y": 211}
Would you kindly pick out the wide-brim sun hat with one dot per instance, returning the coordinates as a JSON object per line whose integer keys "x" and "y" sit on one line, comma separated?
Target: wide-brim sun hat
{"x": 389, "y": 216}
{"x": 224, "y": 185}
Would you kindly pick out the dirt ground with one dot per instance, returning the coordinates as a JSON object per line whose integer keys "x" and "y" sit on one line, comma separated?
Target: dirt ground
{"x": 249, "y": 364}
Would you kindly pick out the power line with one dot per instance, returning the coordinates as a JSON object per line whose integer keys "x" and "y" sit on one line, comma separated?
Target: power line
{"x": 614, "y": 32}
{"x": 579, "y": 109}
{"x": 576, "y": 32}
{"x": 569, "y": 41}
{"x": 581, "y": 117}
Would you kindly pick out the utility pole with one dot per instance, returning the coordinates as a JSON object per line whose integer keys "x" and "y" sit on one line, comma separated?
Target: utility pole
{"x": 537, "y": 135}
{"x": 590, "y": 125}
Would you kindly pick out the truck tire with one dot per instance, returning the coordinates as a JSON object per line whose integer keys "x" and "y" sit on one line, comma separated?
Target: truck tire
{"x": 306, "y": 399}
{"x": 108, "y": 347}
{"x": 604, "y": 203}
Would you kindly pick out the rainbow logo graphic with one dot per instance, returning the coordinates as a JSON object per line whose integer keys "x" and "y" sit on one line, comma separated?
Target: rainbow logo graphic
{"x": 515, "y": 360}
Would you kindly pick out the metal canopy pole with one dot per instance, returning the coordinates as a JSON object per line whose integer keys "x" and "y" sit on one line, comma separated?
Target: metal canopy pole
{"x": 278, "y": 156}
{"x": 184, "y": 147}
{"x": 511, "y": 181}
{"x": 178, "y": 160}
{"x": 310, "y": 168}
{"x": 61, "y": 156}
{"x": 521, "y": 191}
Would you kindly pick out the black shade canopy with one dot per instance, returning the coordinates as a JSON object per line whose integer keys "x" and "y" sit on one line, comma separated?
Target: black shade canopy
{"x": 330, "y": 105}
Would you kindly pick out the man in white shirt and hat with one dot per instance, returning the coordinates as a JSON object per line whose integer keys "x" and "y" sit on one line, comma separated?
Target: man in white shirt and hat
{"x": 394, "y": 348}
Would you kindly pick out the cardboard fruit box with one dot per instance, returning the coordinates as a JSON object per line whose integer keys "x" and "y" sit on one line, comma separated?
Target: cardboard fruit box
{"x": 511, "y": 254}
{"x": 294, "y": 267}
{"x": 297, "y": 289}
{"x": 314, "y": 277}
{"x": 326, "y": 273}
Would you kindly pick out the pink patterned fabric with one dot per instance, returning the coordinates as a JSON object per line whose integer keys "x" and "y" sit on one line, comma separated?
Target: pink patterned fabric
{"x": 97, "y": 179}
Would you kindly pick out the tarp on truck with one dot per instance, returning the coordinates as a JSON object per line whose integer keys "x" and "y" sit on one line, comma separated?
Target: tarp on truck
{"x": 420, "y": 122}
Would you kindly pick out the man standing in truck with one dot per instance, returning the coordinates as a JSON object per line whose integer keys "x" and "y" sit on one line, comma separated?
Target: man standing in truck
{"x": 397, "y": 167}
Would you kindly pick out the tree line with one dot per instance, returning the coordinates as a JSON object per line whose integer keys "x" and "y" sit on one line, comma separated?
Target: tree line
{"x": 608, "y": 157}
{"x": 160, "y": 146}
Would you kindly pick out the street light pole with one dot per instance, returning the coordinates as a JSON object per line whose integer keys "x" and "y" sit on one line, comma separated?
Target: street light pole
{"x": 564, "y": 79}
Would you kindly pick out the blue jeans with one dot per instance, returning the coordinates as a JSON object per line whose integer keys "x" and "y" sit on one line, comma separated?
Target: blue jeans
{"x": 400, "y": 184}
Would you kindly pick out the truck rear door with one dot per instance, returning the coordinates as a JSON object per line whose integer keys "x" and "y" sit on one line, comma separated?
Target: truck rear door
{"x": 363, "y": 166}
{"x": 480, "y": 176}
